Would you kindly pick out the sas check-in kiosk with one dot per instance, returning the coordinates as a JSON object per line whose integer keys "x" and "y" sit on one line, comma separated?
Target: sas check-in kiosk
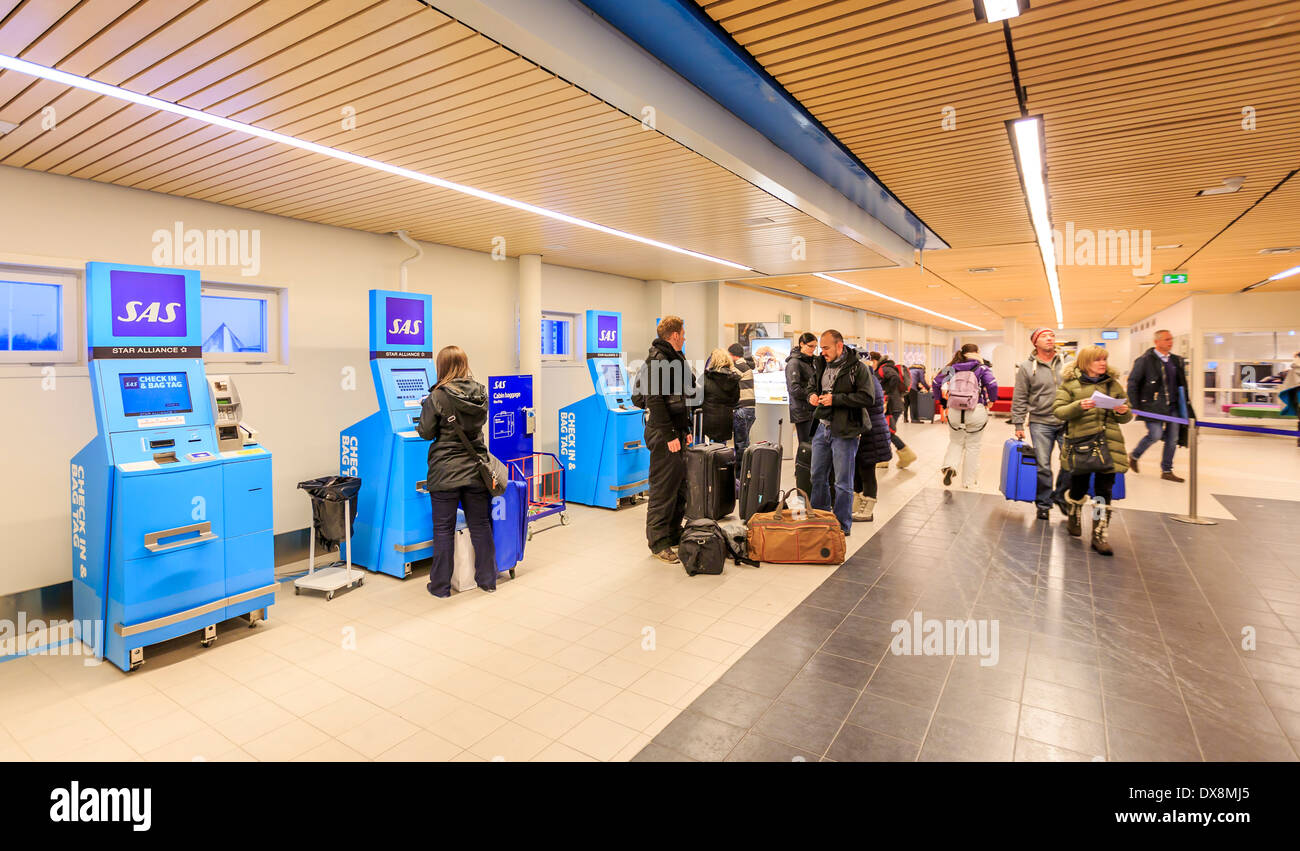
{"x": 394, "y": 525}
{"x": 602, "y": 437}
{"x": 171, "y": 529}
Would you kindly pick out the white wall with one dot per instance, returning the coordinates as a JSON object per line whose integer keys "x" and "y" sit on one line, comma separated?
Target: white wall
{"x": 62, "y": 221}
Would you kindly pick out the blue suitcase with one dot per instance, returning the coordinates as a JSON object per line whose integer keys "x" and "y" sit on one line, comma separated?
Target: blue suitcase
{"x": 1019, "y": 471}
{"x": 509, "y": 525}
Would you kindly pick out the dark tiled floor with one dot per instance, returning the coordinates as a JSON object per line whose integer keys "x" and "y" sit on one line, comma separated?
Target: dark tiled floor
{"x": 1138, "y": 657}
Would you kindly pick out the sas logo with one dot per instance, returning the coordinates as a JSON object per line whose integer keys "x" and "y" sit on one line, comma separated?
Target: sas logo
{"x": 404, "y": 318}
{"x": 607, "y": 332}
{"x": 147, "y": 304}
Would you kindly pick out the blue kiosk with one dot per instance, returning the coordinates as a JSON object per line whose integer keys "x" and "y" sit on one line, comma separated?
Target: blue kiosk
{"x": 602, "y": 437}
{"x": 171, "y": 530}
{"x": 394, "y": 525}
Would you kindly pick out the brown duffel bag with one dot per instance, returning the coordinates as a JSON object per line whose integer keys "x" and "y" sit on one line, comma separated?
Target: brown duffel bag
{"x": 774, "y": 536}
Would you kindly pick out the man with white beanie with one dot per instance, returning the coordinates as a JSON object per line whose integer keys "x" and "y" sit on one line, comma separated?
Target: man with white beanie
{"x": 1035, "y": 396}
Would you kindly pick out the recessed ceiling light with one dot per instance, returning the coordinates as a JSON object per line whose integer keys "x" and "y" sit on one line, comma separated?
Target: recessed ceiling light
{"x": 1170, "y": 245}
{"x": 556, "y": 248}
{"x": 1146, "y": 286}
{"x": 7, "y": 127}
{"x": 1230, "y": 185}
{"x": 934, "y": 286}
{"x": 1291, "y": 250}
{"x": 1013, "y": 299}
{"x": 1027, "y": 142}
{"x": 982, "y": 270}
{"x": 22, "y": 66}
{"x": 1127, "y": 290}
{"x": 760, "y": 220}
{"x": 845, "y": 283}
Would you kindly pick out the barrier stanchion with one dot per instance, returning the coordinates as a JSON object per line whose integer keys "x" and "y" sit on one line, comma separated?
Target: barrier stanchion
{"x": 1191, "y": 516}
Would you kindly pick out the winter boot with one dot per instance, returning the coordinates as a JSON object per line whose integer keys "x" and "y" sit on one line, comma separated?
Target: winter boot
{"x": 906, "y": 456}
{"x": 864, "y": 511}
{"x": 1074, "y": 515}
{"x": 1101, "y": 520}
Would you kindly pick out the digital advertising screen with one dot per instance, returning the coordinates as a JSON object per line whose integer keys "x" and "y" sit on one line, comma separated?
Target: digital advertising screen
{"x": 148, "y": 394}
{"x": 769, "y": 355}
{"x": 611, "y": 377}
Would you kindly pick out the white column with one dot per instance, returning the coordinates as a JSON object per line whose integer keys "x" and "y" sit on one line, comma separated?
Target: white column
{"x": 713, "y": 335}
{"x": 530, "y": 316}
{"x": 860, "y": 325}
{"x": 805, "y": 315}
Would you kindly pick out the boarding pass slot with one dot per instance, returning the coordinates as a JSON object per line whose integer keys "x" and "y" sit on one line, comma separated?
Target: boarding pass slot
{"x": 162, "y": 444}
{"x": 197, "y": 533}
{"x": 165, "y": 457}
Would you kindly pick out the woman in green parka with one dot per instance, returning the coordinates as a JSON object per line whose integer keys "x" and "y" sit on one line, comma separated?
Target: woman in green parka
{"x": 1074, "y": 405}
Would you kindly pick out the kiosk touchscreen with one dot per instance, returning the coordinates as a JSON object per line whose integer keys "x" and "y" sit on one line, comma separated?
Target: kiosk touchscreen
{"x": 394, "y": 525}
{"x": 602, "y": 437}
{"x": 171, "y": 528}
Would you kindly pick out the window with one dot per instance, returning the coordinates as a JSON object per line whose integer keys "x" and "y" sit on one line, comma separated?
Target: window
{"x": 241, "y": 324}
{"x": 557, "y": 337}
{"x": 1243, "y": 367}
{"x": 38, "y": 309}
{"x": 913, "y": 353}
{"x": 939, "y": 357}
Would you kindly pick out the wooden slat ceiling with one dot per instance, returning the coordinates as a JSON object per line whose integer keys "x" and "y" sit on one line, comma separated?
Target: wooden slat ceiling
{"x": 429, "y": 94}
{"x": 1142, "y": 106}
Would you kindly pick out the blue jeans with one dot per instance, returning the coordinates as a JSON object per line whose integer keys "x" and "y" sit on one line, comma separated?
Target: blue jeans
{"x": 1045, "y": 437}
{"x": 742, "y": 420}
{"x": 840, "y": 451}
{"x": 1154, "y": 428}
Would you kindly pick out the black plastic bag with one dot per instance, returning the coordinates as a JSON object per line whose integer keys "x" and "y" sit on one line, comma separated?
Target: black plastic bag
{"x": 328, "y": 495}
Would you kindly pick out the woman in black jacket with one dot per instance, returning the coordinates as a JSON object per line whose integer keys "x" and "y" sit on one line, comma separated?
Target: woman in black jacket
{"x": 892, "y": 381}
{"x": 799, "y": 369}
{"x": 454, "y": 479}
{"x": 721, "y": 395}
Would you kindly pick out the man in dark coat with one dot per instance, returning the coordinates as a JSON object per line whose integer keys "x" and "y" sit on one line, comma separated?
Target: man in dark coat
{"x": 839, "y": 392}
{"x": 1158, "y": 384}
{"x": 667, "y": 384}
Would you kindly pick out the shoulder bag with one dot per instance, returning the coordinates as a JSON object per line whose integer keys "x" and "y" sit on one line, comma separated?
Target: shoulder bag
{"x": 491, "y": 470}
{"x": 1090, "y": 454}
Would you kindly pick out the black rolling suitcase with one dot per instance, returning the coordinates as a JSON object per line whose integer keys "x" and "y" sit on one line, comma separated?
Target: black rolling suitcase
{"x": 803, "y": 467}
{"x": 710, "y": 481}
{"x": 760, "y": 479}
{"x": 924, "y": 408}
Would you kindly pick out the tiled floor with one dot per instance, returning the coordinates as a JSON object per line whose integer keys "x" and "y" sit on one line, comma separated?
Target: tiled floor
{"x": 1140, "y": 656}
{"x": 595, "y": 649}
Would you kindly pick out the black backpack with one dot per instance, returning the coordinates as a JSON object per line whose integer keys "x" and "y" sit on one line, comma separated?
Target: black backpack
{"x": 704, "y": 548}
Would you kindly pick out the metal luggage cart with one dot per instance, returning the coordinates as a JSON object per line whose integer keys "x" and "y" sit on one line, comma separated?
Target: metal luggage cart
{"x": 544, "y": 474}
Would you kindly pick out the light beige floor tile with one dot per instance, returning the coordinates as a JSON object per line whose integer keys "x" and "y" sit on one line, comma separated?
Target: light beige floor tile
{"x": 633, "y": 710}
{"x": 225, "y": 704}
{"x": 423, "y": 746}
{"x": 331, "y": 750}
{"x": 546, "y": 677}
{"x": 391, "y": 689}
{"x": 466, "y": 756}
{"x": 377, "y": 734}
{"x": 427, "y": 707}
{"x": 617, "y": 672}
{"x": 662, "y": 686}
{"x": 280, "y": 745}
{"x": 587, "y": 693}
{"x": 309, "y": 698}
{"x": 599, "y": 738}
{"x": 253, "y": 723}
{"x": 157, "y": 732}
{"x": 686, "y": 666}
{"x": 466, "y": 725}
{"x": 108, "y": 749}
{"x": 342, "y": 715}
{"x": 509, "y": 699}
{"x": 67, "y": 741}
{"x": 557, "y": 752}
{"x": 471, "y": 684}
{"x": 551, "y": 717}
{"x": 632, "y": 748}
{"x": 510, "y": 742}
{"x": 56, "y": 714}
{"x": 200, "y": 746}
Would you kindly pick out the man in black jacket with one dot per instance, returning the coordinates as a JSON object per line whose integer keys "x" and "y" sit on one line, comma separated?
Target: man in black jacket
{"x": 668, "y": 386}
{"x": 839, "y": 391}
{"x": 1158, "y": 383}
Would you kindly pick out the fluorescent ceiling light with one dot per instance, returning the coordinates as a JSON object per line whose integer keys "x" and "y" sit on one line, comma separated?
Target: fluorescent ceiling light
{"x": 1171, "y": 245}
{"x": 7, "y": 127}
{"x": 1287, "y": 250}
{"x": 22, "y": 66}
{"x": 845, "y": 283}
{"x": 1026, "y": 134}
{"x": 1288, "y": 273}
{"x": 997, "y": 10}
{"x": 1230, "y": 185}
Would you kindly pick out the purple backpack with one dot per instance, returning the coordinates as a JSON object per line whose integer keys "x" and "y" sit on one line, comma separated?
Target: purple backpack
{"x": 964, "y": 390}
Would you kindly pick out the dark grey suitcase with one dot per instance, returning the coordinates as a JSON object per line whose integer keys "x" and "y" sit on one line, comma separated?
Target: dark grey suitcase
{"x": 924, "y": 408}
{"x": 803, "y": 467}
{"x": 710, "y": 481}
{"x": 760, "y": 479}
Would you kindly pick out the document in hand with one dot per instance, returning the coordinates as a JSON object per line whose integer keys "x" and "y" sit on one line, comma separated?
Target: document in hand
{"x": 1101, "y": 400}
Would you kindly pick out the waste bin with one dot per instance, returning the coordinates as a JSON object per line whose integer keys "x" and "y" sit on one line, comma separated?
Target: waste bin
{"x": 331, "y": 498}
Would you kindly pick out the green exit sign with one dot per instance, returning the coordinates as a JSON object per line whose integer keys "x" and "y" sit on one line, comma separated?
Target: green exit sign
{"x": 1174, "y": 278}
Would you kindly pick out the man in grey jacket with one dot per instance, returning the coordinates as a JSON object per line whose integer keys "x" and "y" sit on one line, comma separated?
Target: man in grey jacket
{"x": 1035, "y": 396}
